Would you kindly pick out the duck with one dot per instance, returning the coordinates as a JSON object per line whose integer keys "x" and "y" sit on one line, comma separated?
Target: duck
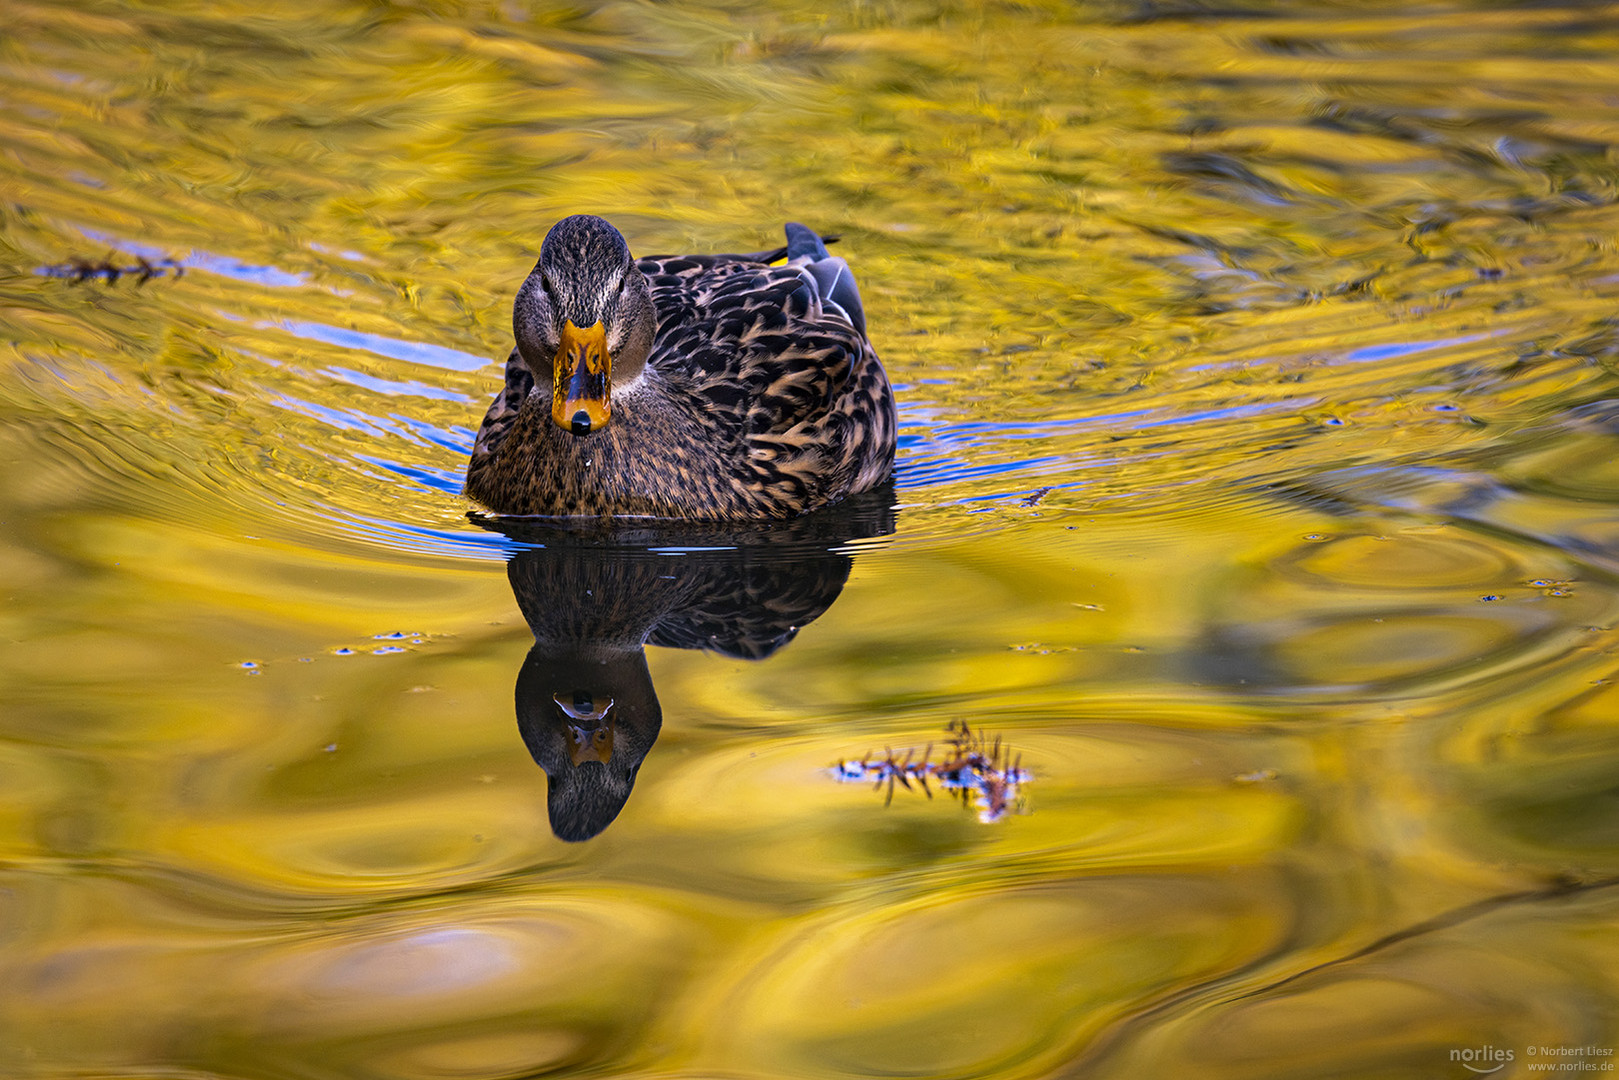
{"x": 726, "y": 388}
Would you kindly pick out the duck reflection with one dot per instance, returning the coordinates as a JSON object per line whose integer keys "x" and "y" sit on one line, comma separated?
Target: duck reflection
{"x": 595, "y": 599}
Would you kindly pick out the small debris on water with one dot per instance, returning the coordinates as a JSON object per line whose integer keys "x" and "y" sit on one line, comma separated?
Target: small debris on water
{"x": 110, "y": 269}
{"x": 980, "y": 771}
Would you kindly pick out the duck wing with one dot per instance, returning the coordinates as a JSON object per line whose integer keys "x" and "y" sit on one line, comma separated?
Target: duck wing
{"x": 503, "y": 410}
{"x": 766, "y": 348}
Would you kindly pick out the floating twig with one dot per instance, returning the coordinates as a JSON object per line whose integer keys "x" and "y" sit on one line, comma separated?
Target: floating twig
{"x": 973, "y": 767}
{"x": 143, "y": 270}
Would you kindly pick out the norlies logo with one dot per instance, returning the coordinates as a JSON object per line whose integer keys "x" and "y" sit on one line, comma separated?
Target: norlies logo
{"x": 1482, "y": 1059}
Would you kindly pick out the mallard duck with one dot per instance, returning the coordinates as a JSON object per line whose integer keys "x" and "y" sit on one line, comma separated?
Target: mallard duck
{"x": 712, "y": 387}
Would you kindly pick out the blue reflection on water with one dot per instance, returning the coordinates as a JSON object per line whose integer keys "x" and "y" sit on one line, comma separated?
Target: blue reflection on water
{"x": 445, "y": 480}
{"x": 956, "y": 451}
{"x": 459, "y": 439}
{"x": 927, "y": 472}
{"x": 203, "y": 260}
{"x": 1407, "y": 348}
{"x": 1364, "y": 354}
{"x": 410, "y": 388}
{"x": 351, "y": 256}
{"x": 346, "y": 419}
{"x": 232, "y": 268}
{"x": 478, "y": 544}
{"x": 413, "y": 352}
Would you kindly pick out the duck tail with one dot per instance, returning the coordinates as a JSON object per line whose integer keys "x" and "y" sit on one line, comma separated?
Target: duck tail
{"x": 832, "y": 277}
{"x": 802, "y": 241}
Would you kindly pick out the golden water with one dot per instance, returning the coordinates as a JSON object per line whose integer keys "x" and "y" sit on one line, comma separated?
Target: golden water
{"x": 1259, "y": 485}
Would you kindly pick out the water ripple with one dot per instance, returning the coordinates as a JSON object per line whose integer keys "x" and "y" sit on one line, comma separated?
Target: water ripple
{"x": 412, "y": 352}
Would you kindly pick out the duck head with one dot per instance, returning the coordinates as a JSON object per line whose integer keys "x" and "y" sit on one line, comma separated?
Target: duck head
{"x": 585, "y": 315}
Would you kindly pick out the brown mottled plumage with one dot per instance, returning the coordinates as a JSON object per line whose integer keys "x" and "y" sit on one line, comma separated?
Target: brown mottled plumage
{"x": 738, "y": 390}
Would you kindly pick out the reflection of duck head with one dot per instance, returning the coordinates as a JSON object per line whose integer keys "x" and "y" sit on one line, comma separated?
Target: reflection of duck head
{"x": 586, "y": 706}
{"x": 588, "y": 715}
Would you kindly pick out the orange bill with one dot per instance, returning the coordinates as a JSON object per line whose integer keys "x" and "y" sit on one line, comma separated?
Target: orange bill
{"x": 590, "y": 732}
{"x": 583, "y": 372}
{"x": 592, "y": 744}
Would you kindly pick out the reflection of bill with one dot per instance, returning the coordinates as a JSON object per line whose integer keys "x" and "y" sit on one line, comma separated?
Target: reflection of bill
{"x": 590, "y": 733}
{"x": 595, "y": 599}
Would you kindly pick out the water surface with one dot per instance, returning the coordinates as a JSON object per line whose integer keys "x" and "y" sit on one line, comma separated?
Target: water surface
{"x": 1257, "y": 486}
